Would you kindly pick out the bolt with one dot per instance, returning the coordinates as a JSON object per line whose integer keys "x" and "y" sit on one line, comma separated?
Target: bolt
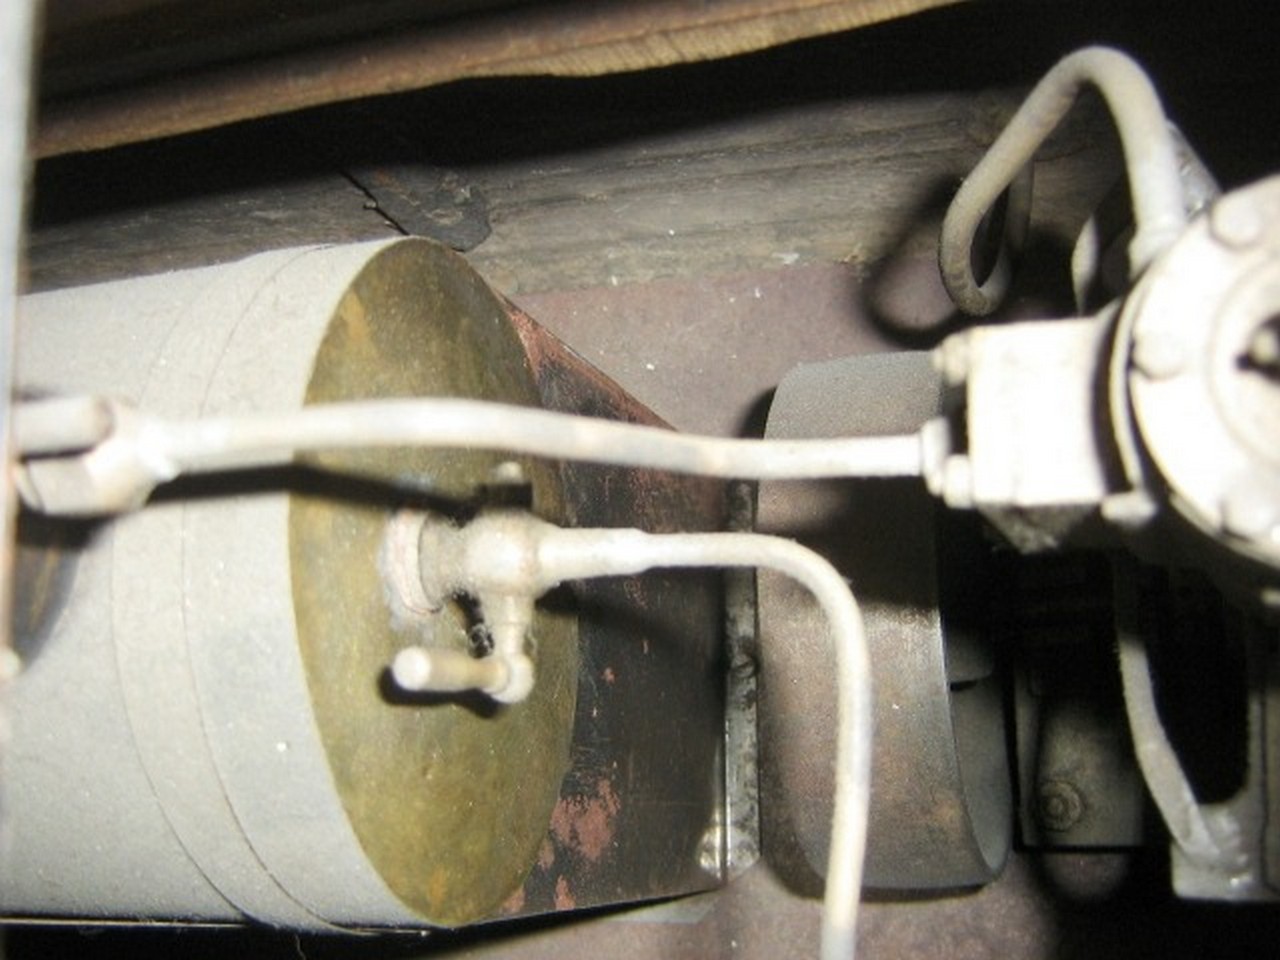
{"x": 1158, "y": 356}
{"x": 1236, "y": 221}
{"x": 1130, "y": 510}
{"x": 1251, "y": 511}
{"x": 952, "y": 359}
{"x": 957, "y": 482}
{"x": 1264, "y": 347}
{"x": 1059, "y": 805}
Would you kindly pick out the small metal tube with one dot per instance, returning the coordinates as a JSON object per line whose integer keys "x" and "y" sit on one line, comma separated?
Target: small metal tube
{"x": 61, "y": 425}
{"x": 420, "y": 670}
{"x": 1150, "y": 159}
{"x": 214, "y": 444}
{"x": 549, "y": 555}
{"x": 154, "y": 451}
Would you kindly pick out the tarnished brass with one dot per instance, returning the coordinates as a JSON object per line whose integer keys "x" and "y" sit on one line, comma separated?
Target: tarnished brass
{"x": 450, "y": 797}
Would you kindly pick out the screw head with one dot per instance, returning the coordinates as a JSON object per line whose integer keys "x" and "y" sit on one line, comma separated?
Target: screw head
{"x": 1158, "y": 356}
{"x": 1251, "y": 511}
{"x": 1130, "y": 510}
{"x": 1263, "y": 350}
{"x": 1236, "y": 221}
{"x": 953, "y": 359}
{"x": 1059, "y": 805}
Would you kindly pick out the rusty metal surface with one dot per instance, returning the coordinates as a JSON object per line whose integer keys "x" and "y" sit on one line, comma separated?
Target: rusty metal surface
{"x": 558, "y": 38}
{"x": 638, "y": 812}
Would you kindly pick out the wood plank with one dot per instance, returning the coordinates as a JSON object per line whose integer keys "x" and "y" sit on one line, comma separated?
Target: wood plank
{"x": 846, "y": 181}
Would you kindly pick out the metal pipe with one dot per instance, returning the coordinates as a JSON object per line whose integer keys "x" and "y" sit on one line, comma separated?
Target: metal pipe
{"x": 61, "y": 425}
{"x": 853, "y": 685}
{"x": 418, "y": 669}
{"x": 18, "y": 38}
{"x": 1151, "y": 162}
{"x": 143, "y": 451}
{"x": 576, "y": 554}
{"x": 1173, "y": 794}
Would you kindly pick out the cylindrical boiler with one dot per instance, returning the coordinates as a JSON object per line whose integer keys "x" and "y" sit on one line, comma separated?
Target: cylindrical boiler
{"x": 204, "y": 729}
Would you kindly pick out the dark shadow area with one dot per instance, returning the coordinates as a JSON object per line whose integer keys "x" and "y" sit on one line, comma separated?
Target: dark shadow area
{"x": 756, "y": 418}
{"x": 903, "y": 296}
{"x": 971, "y": 46}
{"x": 473, "y": 701}
{"x": 46, "y": 556}
{"x": 1117, "y": 906}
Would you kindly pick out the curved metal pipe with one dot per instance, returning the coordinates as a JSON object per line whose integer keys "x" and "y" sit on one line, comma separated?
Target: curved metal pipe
{"x": 1150, "y": 160}
{"x": 557, "y": 555}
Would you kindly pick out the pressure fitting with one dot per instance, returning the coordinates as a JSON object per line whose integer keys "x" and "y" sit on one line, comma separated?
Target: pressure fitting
{"x": 493, "y": 560}
{"x": 504, "y": 560}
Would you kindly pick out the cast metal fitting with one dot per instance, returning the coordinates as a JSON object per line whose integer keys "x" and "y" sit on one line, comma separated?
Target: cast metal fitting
{"x": 504, "y": 560}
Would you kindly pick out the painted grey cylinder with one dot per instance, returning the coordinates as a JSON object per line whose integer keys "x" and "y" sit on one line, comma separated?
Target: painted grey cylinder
{"x": 165, "y": 759}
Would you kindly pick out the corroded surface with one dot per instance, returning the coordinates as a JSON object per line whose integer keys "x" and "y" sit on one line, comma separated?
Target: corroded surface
{"x": 645, "y": 781}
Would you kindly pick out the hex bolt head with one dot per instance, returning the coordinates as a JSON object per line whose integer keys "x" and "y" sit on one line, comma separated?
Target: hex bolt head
{"x": 1236, "y": 221}
{"x": 957, "y": 482}
{"x": 1263, "y": 350}
{"x": 1158, "y": 356}
{"x": 952, "y": 358}
{"x": 1130, "y": 510}
{"x": 1059, "y": 805}
{"x": 1251, "y": 511}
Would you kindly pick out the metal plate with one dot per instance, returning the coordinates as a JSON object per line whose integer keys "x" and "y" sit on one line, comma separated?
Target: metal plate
{"x": 940, "y": 803}
{"x": 639, "y": 814}
{"x": 450, "y": 798}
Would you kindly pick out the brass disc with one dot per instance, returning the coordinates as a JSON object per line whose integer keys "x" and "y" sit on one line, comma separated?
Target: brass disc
{"x": 450, "y": 797}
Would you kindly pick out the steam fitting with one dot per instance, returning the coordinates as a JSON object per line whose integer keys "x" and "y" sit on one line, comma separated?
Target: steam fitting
{"x": 494, "y": 558}
{"x": 494, "y": 561}
{"x": 504, "y": 560}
